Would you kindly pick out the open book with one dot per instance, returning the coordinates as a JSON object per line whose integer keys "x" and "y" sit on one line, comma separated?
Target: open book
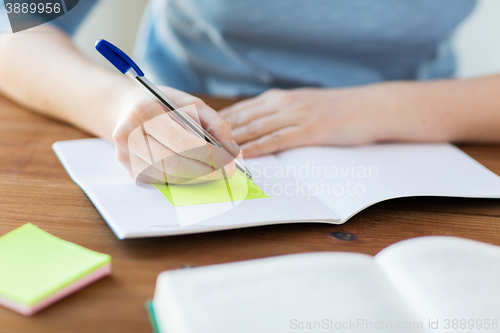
{"x": 426, "y": 284}
{"x": 314, "y": 184}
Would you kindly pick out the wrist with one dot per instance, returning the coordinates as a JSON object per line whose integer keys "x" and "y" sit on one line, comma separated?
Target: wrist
{"x": 411, "y": 111}
{"x": 120, "y": 101}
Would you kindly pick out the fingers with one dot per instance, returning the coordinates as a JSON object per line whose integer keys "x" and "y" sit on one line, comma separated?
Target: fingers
{"x": 246, "y": 111}
{"x": 276, "y": 141}
{"x": 174, "y": 164}
{"x": 241, "y": 106}
{"x": 220, "y": 129}
{"x": 147, "y": 173}
{"x": 147, "y": 135}
{"x": 170, "y": 134}
{"x": 261, "y": 127}
{"x": 248, "y": 115}
{"x": 215, "y": 124}
{"x": 209, "y": 119}
{"x": 165, "y": 171}
{"x": 266, "y": 100}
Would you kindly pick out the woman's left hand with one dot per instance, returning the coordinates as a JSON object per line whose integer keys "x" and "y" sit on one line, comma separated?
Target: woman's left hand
{"x": 282, "y": 119}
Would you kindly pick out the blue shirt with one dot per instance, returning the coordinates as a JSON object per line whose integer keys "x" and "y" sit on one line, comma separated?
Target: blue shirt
{"x": 244, "y": 47}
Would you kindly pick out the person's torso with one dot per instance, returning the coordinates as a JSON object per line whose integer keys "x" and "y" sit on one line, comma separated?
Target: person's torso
{"x": 242, "y": 47}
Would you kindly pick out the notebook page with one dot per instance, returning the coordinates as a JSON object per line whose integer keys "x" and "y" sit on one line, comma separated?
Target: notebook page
{"x": 133, "y": 211}
{"x": 349, "y": 179}
{"x": 445, "y": 279}
{"x": 329, "y": 292}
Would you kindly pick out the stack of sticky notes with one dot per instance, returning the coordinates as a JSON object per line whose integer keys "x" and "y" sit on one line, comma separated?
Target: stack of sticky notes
{"x": 38, "y": 269}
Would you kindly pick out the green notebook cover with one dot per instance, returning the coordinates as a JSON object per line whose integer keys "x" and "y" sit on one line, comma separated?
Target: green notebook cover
{"x": 152, "y": 317}
{"x": 35, "y": 264}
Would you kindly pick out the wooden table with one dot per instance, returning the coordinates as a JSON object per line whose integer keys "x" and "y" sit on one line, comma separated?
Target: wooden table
{"x": 34, "y": 187}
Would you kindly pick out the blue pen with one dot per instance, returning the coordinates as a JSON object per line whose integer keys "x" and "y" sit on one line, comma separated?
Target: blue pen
{"x": 128, "y": 67}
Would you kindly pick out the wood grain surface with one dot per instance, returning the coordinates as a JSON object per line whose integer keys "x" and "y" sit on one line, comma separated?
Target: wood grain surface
{"x": 34, "y": 187}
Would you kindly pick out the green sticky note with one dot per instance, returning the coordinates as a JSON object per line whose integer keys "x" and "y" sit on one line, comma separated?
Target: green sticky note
{"x": 237, "y": 188}
{"x": 35, "y": 264}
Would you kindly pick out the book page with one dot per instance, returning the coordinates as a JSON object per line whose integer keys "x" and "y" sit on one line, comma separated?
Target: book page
{"x": 452, "y": 284}
{"x": 141, "y": 211}
{"x": 314, "y": 292}
{"x": 349, "y": 179}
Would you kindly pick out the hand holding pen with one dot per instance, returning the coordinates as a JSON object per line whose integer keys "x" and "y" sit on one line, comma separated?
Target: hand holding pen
{"x": 157, "y": 145}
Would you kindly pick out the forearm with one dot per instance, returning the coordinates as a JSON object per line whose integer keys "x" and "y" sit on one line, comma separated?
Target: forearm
{"x": 45, "y": 73}
{"x": 430, "y": 111}
{"x": 442, "y": 110}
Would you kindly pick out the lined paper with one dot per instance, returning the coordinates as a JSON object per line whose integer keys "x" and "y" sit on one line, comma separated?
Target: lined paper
{"x": 299, "y": 188}
{"x": 134, "y": 211}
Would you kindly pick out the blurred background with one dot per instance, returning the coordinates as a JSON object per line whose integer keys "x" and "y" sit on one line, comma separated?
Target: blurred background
{"x": 477, "y": 41}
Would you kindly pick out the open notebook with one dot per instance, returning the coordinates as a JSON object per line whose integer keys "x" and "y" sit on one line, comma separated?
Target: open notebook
{"x": 426, "y": 284}
{"x": 314, "y": 184}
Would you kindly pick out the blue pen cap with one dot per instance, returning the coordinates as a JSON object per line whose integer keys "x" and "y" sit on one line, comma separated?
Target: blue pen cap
{"x": 117, "y": 57}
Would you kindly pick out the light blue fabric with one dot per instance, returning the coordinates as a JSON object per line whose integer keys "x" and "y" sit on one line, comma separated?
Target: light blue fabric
{"x": 4, "y": 20}
{"x": 244, "y": 47}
